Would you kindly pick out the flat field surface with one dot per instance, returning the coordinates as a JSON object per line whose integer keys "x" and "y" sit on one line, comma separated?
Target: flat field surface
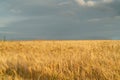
{"x": 60, "y": 60}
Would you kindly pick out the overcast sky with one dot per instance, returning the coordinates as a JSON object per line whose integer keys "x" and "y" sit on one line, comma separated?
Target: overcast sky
{"x": 60, "y": 19}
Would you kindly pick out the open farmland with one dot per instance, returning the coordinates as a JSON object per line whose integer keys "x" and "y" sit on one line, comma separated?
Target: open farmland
{"x": 60, "y": 60}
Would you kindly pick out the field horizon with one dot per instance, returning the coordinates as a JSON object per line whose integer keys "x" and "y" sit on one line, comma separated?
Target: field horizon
{"x": 60, "y": 60}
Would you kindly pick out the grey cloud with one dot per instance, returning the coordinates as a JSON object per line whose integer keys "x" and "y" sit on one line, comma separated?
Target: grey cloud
{"x": 35, "y": 8}
{"x": 62, "y": 28}
{"x": 61, "y": 19}
{"x": 111, "y": 7}
{"x": 115, "y": 6}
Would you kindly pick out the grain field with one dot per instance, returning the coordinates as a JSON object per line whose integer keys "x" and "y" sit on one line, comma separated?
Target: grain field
{"x": 60, "y": 60}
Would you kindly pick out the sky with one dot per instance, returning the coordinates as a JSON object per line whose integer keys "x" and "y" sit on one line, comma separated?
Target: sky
{"x": 59, "y": 19}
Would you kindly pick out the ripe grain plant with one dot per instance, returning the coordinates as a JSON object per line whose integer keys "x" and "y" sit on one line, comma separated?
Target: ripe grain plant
{"x": 60, "y": 60}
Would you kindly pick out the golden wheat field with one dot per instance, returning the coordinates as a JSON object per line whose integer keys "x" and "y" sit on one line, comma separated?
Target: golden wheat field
{"x": 60, "y": 60}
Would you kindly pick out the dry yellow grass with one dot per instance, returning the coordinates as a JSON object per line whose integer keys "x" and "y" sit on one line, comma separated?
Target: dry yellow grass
{"x": 60, "y": 60}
